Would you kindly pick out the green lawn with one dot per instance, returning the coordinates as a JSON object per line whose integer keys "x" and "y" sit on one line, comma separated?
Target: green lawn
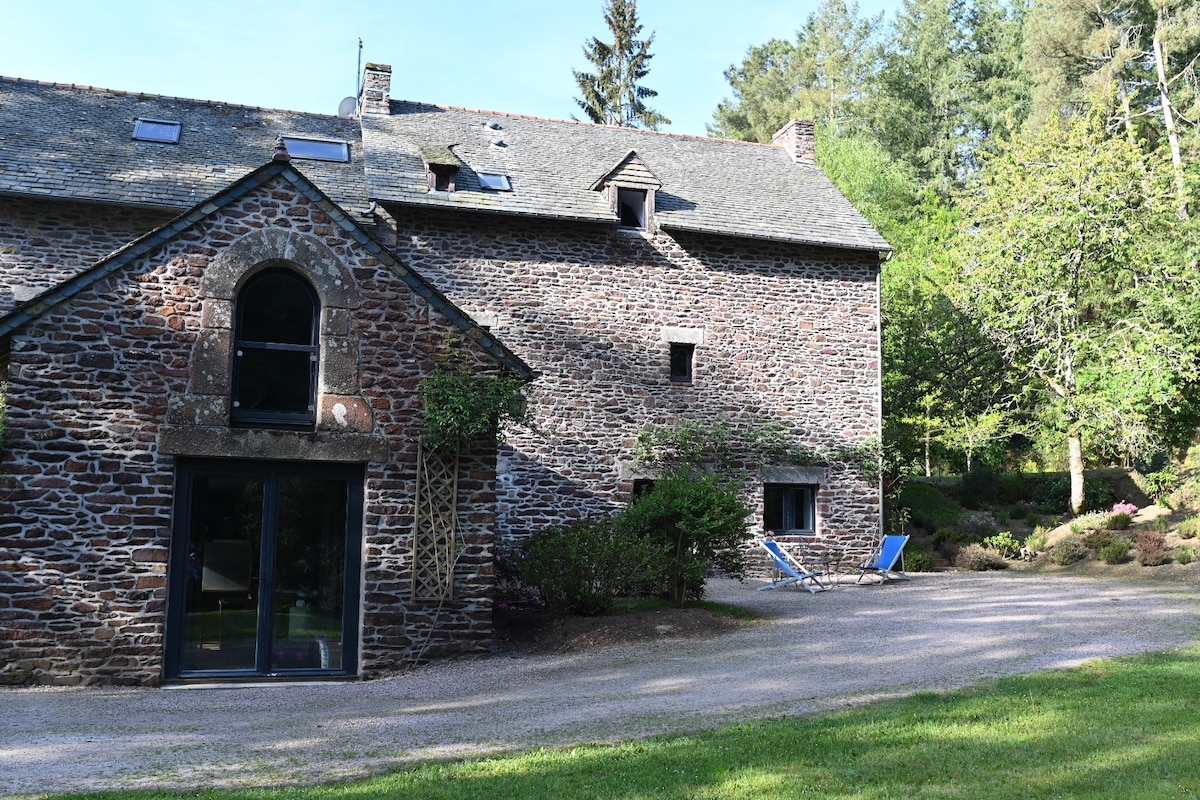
{"x": 1126, "y": 728}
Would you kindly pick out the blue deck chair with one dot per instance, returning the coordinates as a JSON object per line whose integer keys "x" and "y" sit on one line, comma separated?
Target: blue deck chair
{"x": 786, "y": 570}
{"x": 882, "y": 560}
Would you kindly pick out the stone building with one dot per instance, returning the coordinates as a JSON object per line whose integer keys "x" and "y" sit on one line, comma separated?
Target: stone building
{"x": 214, "y": 320}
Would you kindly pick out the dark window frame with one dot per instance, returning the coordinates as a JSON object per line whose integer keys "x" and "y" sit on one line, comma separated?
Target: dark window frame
{"x": 632, "y": 208}
{"x": 790, "y": 507}
{"x": 682, "y": 362}
{"x": 186, "y": 472}
{"x": 269, "y": 418}
{"x": 442, "y": 177}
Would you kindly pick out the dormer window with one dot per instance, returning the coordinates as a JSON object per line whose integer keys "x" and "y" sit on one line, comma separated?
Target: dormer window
{"x": 631, "y": 206}
{"x": 441, "y": 177}
{"x": 156, "y": 130}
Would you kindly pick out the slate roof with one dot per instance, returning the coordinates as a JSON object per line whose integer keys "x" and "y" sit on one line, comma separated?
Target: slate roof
{"x": 75, "y": 142}
{"x": 708, "y": 185}
{"x": 52, "y": 298}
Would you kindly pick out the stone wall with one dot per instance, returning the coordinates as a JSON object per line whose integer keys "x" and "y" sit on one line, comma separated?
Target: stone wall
{"x": 783, "y": 333}
{"x": 96, "y": 385}
{"x": 44, "y": 242}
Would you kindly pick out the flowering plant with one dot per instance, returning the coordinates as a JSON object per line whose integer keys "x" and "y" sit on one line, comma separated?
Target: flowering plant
{"x": 1124, "y": 508}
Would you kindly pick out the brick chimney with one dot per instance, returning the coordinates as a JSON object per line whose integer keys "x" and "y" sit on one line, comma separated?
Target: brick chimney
{"x": 377, "y": 89}
{"x": 798, "y": 139}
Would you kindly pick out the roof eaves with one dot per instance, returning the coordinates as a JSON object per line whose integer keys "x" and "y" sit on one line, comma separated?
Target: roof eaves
{"x": 812, "y": 241}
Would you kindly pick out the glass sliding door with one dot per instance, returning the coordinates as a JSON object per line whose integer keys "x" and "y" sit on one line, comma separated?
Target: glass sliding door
{"x": 264, "y": 570}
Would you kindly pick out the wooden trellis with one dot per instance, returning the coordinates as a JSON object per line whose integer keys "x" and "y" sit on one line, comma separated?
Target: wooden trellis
{"x": 435, "y": 528}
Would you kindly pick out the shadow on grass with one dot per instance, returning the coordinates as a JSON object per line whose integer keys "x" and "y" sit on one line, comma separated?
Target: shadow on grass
{"x": 1118, "y": 728}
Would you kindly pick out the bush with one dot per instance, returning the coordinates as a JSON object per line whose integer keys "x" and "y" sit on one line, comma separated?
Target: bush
{"x": 1013, "y": 488}
{"x": 978, "y": 523}
{"x": 978, "y": 559}
{"x": 1088, "y": 522}
{"x": 582, "y": 567}
{"x": 1152, "y": 548}
{"x": 698, "y": 522}
{"x": 1186, "y": 555}
{"x": 1033, "y": 519}
{"x": 980, "y": 485}
{"x": 1004, "y": 544}
{"x": 1114, "y": 551}
{"x": 1036, "y": 541}
{"x": 1188, "y": 528}
{"x": 928, "y": 506}
{"x": 947, "y": 539}
{"x": 917, "y": 558}
{"x": 1118, "y": 522}
{"x": 1095, "y": 539}
{"x": 1070, "y": 550}
{"x": 1158, "y": 485}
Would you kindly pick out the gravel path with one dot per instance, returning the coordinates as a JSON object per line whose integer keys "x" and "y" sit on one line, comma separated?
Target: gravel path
{"x": 817, "y": 652}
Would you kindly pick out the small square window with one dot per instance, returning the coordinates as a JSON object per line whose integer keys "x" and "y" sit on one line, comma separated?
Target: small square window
{"x": 317, "y": 149}
{"x": 641, "y": 488}
{"x": 156, "y": 130}
{"x": 789, "y": 507}
{"x": 631, "y": 206}
{"x": 441, "y": 177}
{"x": 681, "y": 362}
{"x": 499, "y": 183}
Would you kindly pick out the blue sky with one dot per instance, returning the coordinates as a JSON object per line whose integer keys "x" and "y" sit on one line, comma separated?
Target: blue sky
{"x": 498, "y": 55}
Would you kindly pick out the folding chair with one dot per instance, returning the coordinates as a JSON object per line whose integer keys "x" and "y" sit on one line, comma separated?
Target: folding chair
{"x": 786, "y": 570}
{"x": 882, "y": 560}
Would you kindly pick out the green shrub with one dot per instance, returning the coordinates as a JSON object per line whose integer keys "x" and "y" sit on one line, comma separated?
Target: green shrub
{"x": 1158, "y": 485}
{"x": 980, "y": 485}
{"x": 947, "y": 539}
{"x": 1186, "y": 555}
{"x": 978, "y": 559}
{"x": 1088, "y": 522}
{"x": 1114, "y": 551}
{"x": 582, "y": 567}
{"x": 1036, "y": 541}
{"x": 1004, "y": 544}
{"x": 1096, "y": 538}
{"x": 1033, "y": 519}
{"x": 1068, "y": 551}
{"x": 698, "y": 523}
{"x": 917, "y": 558}
{"x": 1118, "y": 522}
{"x": 1013, "y": 488}
{"x": 1152, "y": 548}
{"x": 1188, "y": 528}
{"x": 978, "y": 523}
{"x": 928, "y": 506}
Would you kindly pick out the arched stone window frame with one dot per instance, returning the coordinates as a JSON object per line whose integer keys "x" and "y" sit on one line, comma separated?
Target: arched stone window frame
{"x": 296, "y": 359}
{"x": 339, "y": 406}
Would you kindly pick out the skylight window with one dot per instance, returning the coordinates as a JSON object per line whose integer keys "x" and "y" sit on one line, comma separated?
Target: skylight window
{"x": 316, "y": 149}
{"x": 156, "y": 130}
{"x": 498, "y": 183}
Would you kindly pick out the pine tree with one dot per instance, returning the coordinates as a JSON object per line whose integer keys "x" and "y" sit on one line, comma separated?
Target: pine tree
{"x": 612, "y": 95}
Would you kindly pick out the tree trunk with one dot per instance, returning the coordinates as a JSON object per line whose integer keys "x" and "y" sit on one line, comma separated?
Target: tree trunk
{"x": 1168, "y": 112}
{"x": 1075, "y": 445}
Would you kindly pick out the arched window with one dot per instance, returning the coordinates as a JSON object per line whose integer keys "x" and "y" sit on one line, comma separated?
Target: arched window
{"x": 276, "y": 352}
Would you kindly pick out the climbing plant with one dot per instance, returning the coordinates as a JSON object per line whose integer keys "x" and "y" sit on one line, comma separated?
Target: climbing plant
{"x": 461, "y": 406}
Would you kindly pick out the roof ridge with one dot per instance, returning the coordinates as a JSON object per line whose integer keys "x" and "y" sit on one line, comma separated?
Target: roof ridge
{"x": 152, "y": 96}
{"x": 512, "y": 115}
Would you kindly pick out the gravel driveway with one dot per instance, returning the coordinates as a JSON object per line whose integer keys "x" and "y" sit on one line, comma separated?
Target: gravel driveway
{"x": 817, "y": 652}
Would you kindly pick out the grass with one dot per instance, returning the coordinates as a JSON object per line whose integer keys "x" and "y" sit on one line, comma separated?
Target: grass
{"x": 1122, "y": 728}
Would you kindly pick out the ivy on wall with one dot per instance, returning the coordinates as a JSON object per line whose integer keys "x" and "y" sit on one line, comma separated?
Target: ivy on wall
{"x": 462, "y": 406}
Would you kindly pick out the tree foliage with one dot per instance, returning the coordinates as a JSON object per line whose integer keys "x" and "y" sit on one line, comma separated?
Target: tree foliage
{"x": 1065, "y": 268}
{"x": 613, "y": 93}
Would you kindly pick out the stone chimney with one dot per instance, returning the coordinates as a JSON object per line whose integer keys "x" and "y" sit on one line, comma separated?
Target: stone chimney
{"x": 798, "y": 139}
{"x": 376, "y": 89}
